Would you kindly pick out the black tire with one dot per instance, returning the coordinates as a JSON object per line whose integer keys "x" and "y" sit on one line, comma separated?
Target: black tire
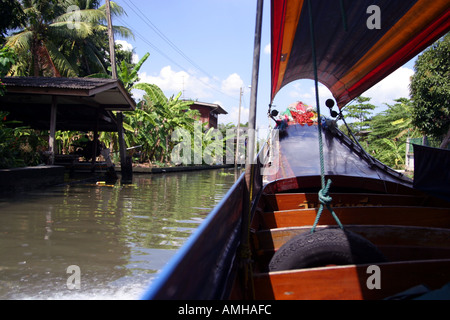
{"x": 325, "y": 247}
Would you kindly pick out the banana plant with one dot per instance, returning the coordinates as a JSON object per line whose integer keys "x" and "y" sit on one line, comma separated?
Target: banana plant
{"x": 393, "y": 153}
{"x": 163, "y": 115}
{"x": 126, "y": 73}
{"x": 65, "y": 139}
{"x": 130, "y": 76}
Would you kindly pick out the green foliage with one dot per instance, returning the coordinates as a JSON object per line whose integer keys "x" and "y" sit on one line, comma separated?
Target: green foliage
{"x": 7, "y": 59}
{"x": 430, "y": 90}
{"x": 56, "y": 41}
{"x": 391, "y": 152}
{"x": 155, "y": 118}
{"x": 19, "y": 146}
{"x": 389, "y": 131}
{"x": 127, "y": 72}
{"x": 384, "y": 135}
{"x": 12, "y": 16}
{"x": 361, "y": 111}
{"x": 395, "y": 122}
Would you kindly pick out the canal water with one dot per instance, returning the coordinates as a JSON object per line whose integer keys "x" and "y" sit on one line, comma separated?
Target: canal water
{"x": 113, "y": 238}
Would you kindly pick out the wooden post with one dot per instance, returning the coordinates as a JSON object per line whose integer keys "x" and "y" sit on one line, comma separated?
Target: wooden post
{"x": 51, "y": 139}
{"x": 125, "y": 163}
{"x": 95, "y": 144}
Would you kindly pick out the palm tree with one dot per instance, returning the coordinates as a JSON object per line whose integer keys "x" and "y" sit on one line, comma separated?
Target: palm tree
{"x": 50, "y": 27}
{"x": 91, "y": 55}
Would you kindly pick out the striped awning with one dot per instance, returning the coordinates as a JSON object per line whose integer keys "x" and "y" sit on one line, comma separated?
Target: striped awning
{"x": 358, "y": 42}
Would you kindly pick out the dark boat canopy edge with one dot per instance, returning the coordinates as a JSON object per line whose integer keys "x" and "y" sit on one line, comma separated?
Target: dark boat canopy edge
{"x": 298, "y": 152}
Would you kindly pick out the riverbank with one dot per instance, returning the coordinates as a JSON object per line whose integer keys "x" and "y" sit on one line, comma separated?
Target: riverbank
{"x": 158, "y": 170}
{"x": 24, "y": 179}
{"x": 19, "y": 180}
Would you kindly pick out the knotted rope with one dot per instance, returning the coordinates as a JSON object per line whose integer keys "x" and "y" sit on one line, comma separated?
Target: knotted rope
{"x": 325, "y": 201}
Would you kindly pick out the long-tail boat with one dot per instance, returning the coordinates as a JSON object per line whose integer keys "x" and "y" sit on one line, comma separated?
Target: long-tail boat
{"x": 316, "y": 217}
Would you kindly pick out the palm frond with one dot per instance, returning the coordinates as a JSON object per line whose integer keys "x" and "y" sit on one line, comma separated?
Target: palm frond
{"x": 60, "y": 61}
{"x": 116, "y": 10}
{"x": 99, "y": 76}
{"x": 94, "y": 56}
{"x": 70, "y": 29}
{"x": 123, "y": 32}
{"x": 86, "y": 15}
{"x": 20, "y": 41}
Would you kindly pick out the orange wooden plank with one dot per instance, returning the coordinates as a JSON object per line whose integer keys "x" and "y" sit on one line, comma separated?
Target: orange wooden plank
{"x": 410, "y": 216}
{"x": 350, "y": 282}
{"x": 379, "y": 235}
{"x": 290, "y": 201}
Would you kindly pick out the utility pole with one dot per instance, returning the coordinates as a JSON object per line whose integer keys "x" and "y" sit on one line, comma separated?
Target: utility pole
{"x": 238, "y": 129}
{"x": 249, "y": 165}
{"x": 112, "y": 51}
{"x": 125, "y": 161}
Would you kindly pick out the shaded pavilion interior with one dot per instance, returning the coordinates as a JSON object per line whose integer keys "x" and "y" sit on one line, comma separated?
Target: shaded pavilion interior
{"x": 68, "y": 104}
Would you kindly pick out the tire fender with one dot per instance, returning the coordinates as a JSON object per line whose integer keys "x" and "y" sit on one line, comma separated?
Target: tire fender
{"x": 330, "y": 246}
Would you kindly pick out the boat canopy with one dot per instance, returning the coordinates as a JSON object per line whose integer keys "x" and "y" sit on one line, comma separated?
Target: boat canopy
{"x": 358, "y": 42}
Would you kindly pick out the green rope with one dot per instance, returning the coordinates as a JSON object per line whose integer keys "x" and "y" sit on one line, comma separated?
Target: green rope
{"x": 324, "y": 197}
{"x": 325, "y": 200}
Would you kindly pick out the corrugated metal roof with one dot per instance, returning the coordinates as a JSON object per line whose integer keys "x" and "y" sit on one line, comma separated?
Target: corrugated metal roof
{"x": 84, "y": 104}
{"x": 52, "y": 82}
{"x": 215, "y": 107}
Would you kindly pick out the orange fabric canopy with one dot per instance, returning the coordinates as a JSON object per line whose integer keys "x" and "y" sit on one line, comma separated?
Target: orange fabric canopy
{"x": 358, "y": 42}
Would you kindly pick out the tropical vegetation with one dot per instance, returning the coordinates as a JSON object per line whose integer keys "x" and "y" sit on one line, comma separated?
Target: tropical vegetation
{"x": 389, "y": 133}
{"x": 430, "y": 91}
{"x": 19, "y": 145}
{"x": 155, "y": 119}
{"x": 69, "y": 38}
{"x": 385, "y": 134}
{"x": 54, "y": 39}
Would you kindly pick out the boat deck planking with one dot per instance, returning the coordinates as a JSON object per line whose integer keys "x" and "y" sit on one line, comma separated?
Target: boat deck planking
{"x": 349, "y": 282}
{"x": 394, "y": 215}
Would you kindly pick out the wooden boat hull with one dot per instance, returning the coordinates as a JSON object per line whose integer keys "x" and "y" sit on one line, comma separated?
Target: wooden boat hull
{"x": 349, "y": 282}
{"x": 410, "y": 228}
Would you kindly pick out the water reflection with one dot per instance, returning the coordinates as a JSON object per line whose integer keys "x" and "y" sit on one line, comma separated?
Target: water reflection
{"x": 119, "y": 235}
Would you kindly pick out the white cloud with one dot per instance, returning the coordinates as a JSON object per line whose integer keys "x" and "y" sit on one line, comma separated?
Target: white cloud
{"x": 268, "y": 49}
{"x": 392, "y": 87}
{"x": 126, "y": 46}
{"x": 232, "y": 85}
{"x": 233, "y": 115}
{"x": 172, "y": 82}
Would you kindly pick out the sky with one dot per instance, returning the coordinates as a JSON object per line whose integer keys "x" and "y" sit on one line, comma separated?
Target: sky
{"x": 204, "y": 49}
